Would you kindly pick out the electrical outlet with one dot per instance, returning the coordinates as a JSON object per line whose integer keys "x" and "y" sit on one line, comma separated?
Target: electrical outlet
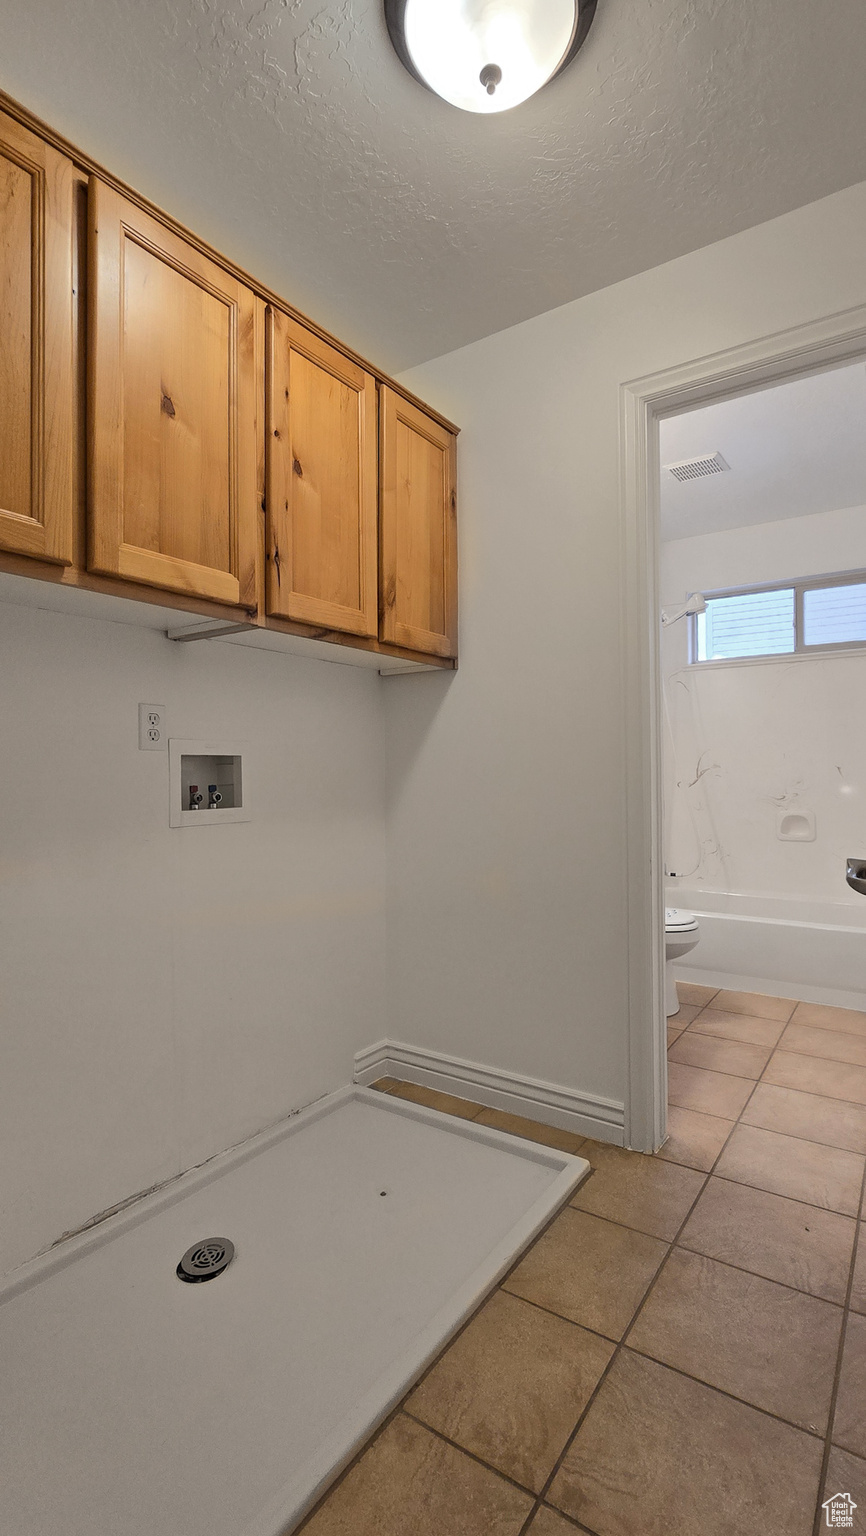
{"x": 151, "y": 728}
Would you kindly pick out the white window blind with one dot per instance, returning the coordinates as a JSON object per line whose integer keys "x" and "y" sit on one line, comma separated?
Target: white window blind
{"x": 834, "y": 615}
{"x": 825, "y": 613}
{"x": 750, "y": 624}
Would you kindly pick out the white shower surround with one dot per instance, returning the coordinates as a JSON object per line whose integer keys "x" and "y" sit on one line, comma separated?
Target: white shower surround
{"x": 784, "y": 946}
{"x": 366, "y": 1230}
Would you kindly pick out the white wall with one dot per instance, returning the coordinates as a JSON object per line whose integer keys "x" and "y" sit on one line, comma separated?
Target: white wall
{"x": 782, "y": 550}
{"x": 507, "y": 853}
{"x": 747, "y": 740}
{"x": 168, "y": 992}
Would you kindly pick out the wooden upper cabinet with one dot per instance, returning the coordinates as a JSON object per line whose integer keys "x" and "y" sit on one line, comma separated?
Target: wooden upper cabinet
{"x": 172, "y": 409}
{"x": 321, "y": 482}
{"x": 37, "y": 383}
{"x": 418, "y": 531}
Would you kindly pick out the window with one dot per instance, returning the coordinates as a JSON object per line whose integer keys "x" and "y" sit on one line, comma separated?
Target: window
{"x": 835, "y": 615}
{"x": 823, "y": 614}
{"x": 750, "y": 624}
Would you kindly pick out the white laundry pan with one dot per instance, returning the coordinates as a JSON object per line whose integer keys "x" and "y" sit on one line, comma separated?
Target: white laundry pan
{"x": 366, "y": 1229}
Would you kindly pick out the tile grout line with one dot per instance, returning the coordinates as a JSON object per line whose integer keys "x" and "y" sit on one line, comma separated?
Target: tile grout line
{"x": 606, "y": 1338}
{"x": 707, "y": 1034}
{"x": 539, "y": 1499}
{"x": 549, "y": 1312}
{"x": 756, "y": 1274}
{"x": 783, "y": 1087}
{"x": 739, "y": 1121}
{"x": 628, "y": 1330}
{"x": 732, "y": 1397}
{"x": 830, "y": 1145}
{"x": 341, "y": 1477}
{"x": 759, "y": 1082}
{"x": 699, "y": 1254}
{"x": 622, "y": 1343}
{"x": 853, "y": 1102}
{"x": 569, "y": 1520}
{"x": 840, "y": 1354}
{"x": 848, "y": 1103}
{"x": 500, "y": 1284}
{"x": 740, "y": 1078}
{"x": 829, "y": 1210}
{"x": 825, "y": 1210}
{"x": 465, "y": 1451}
{"x": 400, "y": 1407}
{"x": 813, "y": 1094}
{"x": 791, "y": 1050}
{"x": 819, "y": 1029}
{"x": 482, "y": 1109}
{"x": 836, "y": 1029}
{"x": 651, "y": 1286}
{"x": 783, "y": 1045}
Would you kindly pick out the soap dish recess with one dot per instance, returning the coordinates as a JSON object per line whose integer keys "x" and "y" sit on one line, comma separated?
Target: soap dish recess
{"x": 796, "y": 826}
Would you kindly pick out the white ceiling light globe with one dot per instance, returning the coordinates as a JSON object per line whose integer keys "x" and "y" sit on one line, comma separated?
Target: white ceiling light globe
{"x": 488, "y": 55}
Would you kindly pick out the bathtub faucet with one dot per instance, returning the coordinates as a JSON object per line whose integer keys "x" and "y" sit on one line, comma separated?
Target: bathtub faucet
{"x": 855, "y": 874}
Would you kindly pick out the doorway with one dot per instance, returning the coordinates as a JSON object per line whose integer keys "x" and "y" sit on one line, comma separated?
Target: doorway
{"x": 645, "y": 404}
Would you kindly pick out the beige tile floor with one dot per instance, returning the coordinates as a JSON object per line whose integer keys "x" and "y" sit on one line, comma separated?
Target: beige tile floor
{"x": 684, "y": 1347}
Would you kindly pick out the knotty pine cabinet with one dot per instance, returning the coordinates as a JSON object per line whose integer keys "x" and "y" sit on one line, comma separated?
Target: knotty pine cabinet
{"x": 321, "y": 482}
{"x": 172, "y": 418}
{"x": 172, "y": 431}
{"x": 37, "y": 379}
{"x": 418, "y": 528}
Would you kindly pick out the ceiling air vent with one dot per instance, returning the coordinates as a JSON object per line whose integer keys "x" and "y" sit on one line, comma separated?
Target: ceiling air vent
{"x": 695, "y": 469}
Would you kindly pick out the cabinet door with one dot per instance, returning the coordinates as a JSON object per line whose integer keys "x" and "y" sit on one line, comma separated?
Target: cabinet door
{"x": 37, "y": 386}
{"x": 417, "y": 476}
{"x": 321, "y": 485}
{"x": 172, "y": 409}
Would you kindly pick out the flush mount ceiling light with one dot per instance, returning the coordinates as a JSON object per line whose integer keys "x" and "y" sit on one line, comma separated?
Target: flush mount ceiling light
{"x": 487, "y": 55}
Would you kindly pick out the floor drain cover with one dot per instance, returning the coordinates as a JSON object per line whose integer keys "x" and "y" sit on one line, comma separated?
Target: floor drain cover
{"x": 203, "y": 1261}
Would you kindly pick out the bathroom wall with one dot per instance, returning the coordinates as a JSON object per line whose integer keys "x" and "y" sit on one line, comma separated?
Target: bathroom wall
{"x": 166, "y": 993}
{"x": 507, "y": 851}
{"x": 746, "y": 741}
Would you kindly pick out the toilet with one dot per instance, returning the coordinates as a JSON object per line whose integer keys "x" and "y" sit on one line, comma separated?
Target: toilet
{"x": 682, "y": 932}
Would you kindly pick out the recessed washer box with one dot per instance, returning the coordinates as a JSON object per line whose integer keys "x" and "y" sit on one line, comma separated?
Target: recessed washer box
{"x": 203, "y": 764}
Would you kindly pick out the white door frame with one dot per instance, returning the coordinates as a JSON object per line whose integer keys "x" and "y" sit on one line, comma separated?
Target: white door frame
{"x": 808, "y": 348}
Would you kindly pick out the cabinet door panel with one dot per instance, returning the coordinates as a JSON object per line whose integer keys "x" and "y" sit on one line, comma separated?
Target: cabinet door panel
{"x": 172, "y": 410}
{"x": 37, "y": 393}
{"x": 418, "y": 529}
{"x": 321, "y": 497}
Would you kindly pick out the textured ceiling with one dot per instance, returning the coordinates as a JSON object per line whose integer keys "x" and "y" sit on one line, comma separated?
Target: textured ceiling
{"x": 793, "y": 450}
{"x": 287, "y": 133}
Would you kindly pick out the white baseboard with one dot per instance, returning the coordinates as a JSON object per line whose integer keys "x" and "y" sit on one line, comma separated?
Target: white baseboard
{"x": 585, "y": 1113}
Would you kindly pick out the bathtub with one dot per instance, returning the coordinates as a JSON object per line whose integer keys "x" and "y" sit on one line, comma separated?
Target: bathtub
{"x": 787, "y": 946}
